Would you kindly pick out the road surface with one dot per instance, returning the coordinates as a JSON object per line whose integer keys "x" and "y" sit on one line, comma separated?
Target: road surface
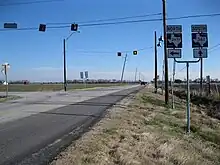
{"x": 33, "y": 129}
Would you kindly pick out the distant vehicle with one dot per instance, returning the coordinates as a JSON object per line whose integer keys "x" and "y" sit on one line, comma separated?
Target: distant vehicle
{"x": 143, "y": 83}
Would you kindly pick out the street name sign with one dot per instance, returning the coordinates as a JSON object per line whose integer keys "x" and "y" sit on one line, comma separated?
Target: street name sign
{"x": 200, "y": 53}
{"x": 174, "y": 53}
{"x": 199, "y": 40}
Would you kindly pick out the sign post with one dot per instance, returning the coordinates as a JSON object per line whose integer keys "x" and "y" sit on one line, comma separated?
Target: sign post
{"x": 4, "y": 70}
{"x": 174, "y": 45}
{"x": 200, "y": 44}
{"x": 188, "y": 91}
{"x": 86, "y": 77}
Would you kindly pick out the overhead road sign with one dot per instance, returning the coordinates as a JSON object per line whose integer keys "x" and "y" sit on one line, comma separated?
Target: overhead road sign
{"x": 174, "y": 28}
{"x": 199, "y": 28}
{"x": 174, "y": 40}
{"x": 199, "y": 40}
{"x": 174, "y": 53}
{"x": 200, "y": 53}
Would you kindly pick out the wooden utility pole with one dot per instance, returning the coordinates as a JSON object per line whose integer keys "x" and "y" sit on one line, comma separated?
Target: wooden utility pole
{"x": 165, "y": 53}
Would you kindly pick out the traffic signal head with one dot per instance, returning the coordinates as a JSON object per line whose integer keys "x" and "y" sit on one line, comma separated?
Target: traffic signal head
{"x": 119, "y": 53}
{"x": 74, "y": 27}
{"x": 160, "y": 39}
{"x": 135, "y": 52}
{"x": 42, "y": 27}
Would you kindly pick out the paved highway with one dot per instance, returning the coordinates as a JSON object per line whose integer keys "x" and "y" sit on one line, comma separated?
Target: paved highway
{"x": 34, "y": 128}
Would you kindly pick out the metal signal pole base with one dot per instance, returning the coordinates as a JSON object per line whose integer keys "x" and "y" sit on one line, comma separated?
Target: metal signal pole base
{"x": 188, "y": 92}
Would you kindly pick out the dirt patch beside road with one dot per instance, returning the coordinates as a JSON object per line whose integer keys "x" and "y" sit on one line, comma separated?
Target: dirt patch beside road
{"x": 141, "y": 130}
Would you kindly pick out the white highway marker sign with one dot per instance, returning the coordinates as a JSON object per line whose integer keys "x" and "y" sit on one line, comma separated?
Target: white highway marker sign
{"x": 174, "y": 53}
{"x": 200, "y": 53}
{"x": 174, "y": 28}
{"x": 199, "y": 40}
{"x": 174, "y": 40}
{"x": 199, "y": 28}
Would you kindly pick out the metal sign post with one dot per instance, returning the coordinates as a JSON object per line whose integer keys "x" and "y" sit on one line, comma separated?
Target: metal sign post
{"x": 86, "y": 78}
{"x": 188, "y": 91}
{"x": 4, "y": 70}
{"x": 174, "y": 45}
{"x": 200, "y": 43}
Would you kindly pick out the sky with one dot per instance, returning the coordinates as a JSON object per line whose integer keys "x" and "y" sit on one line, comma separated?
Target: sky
{"x": 38, "y": 56}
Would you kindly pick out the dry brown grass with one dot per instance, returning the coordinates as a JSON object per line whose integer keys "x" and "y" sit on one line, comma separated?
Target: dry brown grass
{"x": 144, "y": 132}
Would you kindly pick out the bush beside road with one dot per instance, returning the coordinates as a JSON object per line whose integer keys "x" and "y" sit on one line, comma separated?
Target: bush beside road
{"x": 142, "y": 130}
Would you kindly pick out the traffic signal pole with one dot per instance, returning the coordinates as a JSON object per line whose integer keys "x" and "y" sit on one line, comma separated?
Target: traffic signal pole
{"x": 155, "y": 76}
{"x": 165, "y": 53}
{"x": 64, "y": 64}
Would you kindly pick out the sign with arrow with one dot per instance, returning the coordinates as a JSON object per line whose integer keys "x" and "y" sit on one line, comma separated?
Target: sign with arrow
{"x": 199, "y": 40}
{"x": 174, "y": 53}
{"x": 174, "y": 40}
{"x": 200, "y": 53}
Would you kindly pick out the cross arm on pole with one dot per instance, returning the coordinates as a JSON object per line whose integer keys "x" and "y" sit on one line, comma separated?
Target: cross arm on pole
{"x": 186, "y": 61}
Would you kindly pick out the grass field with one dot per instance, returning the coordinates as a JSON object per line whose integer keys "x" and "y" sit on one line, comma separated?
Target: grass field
{"x": 49, "y": 87}
{"x": 143, "y": 131}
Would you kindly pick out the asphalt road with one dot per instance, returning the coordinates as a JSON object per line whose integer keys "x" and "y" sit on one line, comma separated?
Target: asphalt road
{"x": 35, "y": 138}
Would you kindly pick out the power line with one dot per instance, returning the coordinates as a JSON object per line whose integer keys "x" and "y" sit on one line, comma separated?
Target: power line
{"x": 194, "y": 16}
{"x": 111, "y": 52}
{"x": 30, "y": 2}
{"x": 119, "y": 22}
{"x": 214, "y": 48}
{"x": 111, "y": 19}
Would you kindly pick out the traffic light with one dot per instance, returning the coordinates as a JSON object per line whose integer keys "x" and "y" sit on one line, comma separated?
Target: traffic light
{"x": 42, "y": 27}
{"x": 119, "y": 53}
{"x": 135, "y": 52}
{"x": 74, "y": 27}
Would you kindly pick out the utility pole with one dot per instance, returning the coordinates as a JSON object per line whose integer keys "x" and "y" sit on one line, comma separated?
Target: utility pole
{"x": 201, "y": 76}
{"x": 155, "y": 45}
{"x": 64, "y": 64}
{"x": 165, "y": 53}
{"x": 123, "y": 69}
{"x": 135, "y": 79}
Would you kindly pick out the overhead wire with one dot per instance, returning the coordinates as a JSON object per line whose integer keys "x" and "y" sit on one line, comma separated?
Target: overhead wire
{"x": 110, "y": 19}
{"x": 30, "y": 2}
{"x": 120, "y": 22}
{"x": 111, "y": 52}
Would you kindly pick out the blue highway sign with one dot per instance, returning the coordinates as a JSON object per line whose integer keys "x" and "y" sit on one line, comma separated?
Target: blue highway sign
{"x": 199, "y": 40}
{"x": 174, "y": 40}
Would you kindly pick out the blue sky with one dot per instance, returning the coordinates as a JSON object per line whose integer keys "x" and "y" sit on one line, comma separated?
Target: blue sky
{"x": 38, "y": 56}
